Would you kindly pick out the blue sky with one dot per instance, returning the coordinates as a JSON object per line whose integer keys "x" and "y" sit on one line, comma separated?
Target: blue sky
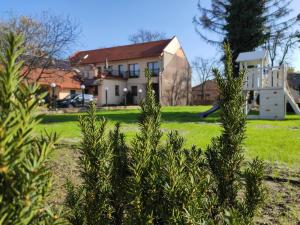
{"x": 107, "y": 23}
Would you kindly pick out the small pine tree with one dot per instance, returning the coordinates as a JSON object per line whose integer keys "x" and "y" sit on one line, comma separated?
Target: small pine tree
{"x": 166, "y": 184}
{"x": 225, "y": 154}
{"x": 120, "y": 173}
{"x": 143, "y": 181}
{"x": 89, "y": 203}
{"x": 25, "y": 179}
{"x": 101, "y": 198}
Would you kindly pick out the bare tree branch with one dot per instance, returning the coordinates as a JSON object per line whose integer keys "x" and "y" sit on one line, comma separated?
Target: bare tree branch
{"x": 203, "y": 68}
{"x": 143, "y": 35}
{"x": 47, "y": 38}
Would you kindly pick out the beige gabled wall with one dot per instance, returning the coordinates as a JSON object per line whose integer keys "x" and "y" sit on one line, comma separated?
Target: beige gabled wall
{"x": 175, "y": 82}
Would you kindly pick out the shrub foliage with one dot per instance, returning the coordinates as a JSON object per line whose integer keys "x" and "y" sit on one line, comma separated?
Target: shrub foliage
{"x": 161, "y": 182}
{"x": 25, "y": 179}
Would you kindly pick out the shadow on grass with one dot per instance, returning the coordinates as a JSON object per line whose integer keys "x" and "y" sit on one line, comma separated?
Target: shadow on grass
{"x": 132, "y": 117}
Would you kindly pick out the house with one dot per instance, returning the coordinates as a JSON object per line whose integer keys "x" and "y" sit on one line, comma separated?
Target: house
{"x": 293, "y": 80}
{"x": 206, "y": 93}
{"x": 66, "y": 81}
{"x": 115, "y": 72}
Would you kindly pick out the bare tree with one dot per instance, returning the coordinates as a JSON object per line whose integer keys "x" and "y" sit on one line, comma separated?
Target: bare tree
{"x": 47, "y": 38}
{"x": 143, "y": 35}
{"x": 203, "y": 68}
{"x": 280, "y": 45}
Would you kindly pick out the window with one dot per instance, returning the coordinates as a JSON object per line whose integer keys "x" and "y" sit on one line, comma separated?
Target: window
{"x": 72, "y": 92}
{"x": 153, "y": 68}
{"x": 134, "y": 70}
{"x": 117, "y": 90}
{"x": 134, "y": 90}
{"x": 121, "y": 70}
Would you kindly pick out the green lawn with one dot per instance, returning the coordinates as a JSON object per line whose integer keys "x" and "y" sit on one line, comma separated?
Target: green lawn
{"x": 274, "y": 141}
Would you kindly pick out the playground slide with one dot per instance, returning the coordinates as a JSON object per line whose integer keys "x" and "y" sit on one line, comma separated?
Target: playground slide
{"x": 210, "y": 111}
{"x": 292, "y": 101}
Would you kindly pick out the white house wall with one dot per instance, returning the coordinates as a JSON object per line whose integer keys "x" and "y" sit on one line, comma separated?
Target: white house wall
{"x": 64, "y": 92}
{"x": 112, "y": 99}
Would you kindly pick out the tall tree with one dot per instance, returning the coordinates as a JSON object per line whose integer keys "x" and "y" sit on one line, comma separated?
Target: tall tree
{"x": 244, "y": 24}
{"x": 143, "y": 35}
{"x": 25, "y": 179}
{"x": 47, "y": 38}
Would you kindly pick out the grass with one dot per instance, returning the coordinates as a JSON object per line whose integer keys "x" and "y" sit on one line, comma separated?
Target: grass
{"x": 273, "y": 141}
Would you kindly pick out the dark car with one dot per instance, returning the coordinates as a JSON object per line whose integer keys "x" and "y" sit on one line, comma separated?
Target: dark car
{"x": 75, "y": 101}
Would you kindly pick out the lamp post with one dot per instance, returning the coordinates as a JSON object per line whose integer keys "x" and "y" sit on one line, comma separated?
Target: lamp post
{"x": 140, "y": 94}
{"x": 125, "y": 95}
{"x": 53, "y": 85}
{"x": 106, "y": 93}
{"x": 82, "y": 87}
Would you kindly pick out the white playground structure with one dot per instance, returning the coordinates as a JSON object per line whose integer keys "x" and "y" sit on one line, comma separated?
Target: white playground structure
{"x": 266, "y": 87}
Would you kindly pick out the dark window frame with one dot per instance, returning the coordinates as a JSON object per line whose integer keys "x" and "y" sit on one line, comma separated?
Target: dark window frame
{"x": 154, "y": 71}
{"x": 134, "y": 90}
{"x": 121, "y": 71}
{"x": 117, "y": 90}
{"x": 134, "y": 72}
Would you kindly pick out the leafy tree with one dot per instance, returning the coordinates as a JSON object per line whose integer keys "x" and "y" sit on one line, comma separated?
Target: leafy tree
{"x": 225, "y": 154}
{"x": 25, "y": 180}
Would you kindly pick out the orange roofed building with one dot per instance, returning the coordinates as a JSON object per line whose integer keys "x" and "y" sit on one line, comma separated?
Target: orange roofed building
{"x": 113, "y": 73}
{"x": 66, "y": 81}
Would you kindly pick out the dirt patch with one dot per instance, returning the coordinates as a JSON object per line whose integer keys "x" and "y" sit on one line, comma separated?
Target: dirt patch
{"x": 266, "y": 126}
{"x": 282, "y": 204}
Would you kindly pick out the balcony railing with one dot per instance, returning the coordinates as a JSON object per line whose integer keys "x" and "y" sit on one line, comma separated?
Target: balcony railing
{"x": 133, "y": 73}
{"x": 115, "y": 73}
{"x": 128, "y": 74}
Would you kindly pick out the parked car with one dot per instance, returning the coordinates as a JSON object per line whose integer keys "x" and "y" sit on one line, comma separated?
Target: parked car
{"x": 75, "y": 101}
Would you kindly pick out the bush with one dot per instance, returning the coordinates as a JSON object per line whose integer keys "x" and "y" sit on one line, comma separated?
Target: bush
{"x": 155, "y": 182}
{"x": 25, "y": 180}
{"x": 225, "y": 154}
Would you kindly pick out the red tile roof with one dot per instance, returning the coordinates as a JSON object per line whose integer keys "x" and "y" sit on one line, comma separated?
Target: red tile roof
{"x": 134, "y": 51}
{"x": 64, "y": 79}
